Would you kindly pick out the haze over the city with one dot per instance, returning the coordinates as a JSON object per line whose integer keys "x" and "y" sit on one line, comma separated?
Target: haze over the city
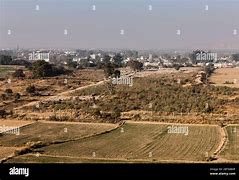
{"x": 134, "y": 24}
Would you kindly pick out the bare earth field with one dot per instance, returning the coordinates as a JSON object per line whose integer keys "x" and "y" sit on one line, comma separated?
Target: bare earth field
{"x": 220, "y": 76}
{"x": 168, "y": 71}
{"x": 47, "y": 87}
{"x": 16, "y": 123}
{"x": 6, "y": 151}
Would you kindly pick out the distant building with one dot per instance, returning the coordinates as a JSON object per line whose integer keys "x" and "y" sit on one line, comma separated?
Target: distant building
{"x": 141, "y": 57}
{"x": 39, "y": 55}
{"x": 218, "y": 65}
{"x": 150, "y": 57}
{"x": 93, "y": 56}
{"x": 151, "y": 66}
{"x": 76, "y": 59}
{"x": 72, "y": 53}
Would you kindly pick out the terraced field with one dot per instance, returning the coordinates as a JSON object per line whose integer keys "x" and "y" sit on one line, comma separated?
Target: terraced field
{"x": 142, "y": 142}
{"x": 231, "y": 151}
{"x": 47, "y": 132}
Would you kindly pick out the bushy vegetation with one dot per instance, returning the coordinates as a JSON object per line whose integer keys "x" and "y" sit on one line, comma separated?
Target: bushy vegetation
{"x": 135, "y": 65}
{"x": 60, "y": 118}
{"x": 164, "y": 98}
{"x": 44, "y": 69}
{"x": 235, "y": 57}
{"x": 165, "y": 95}
{"x": 31, "y": 89}
{"x": 18, "y": 73}
{"x": 5, "y": 60}
{"x": 3, "y": 113}
{"x": 109, "y": 69}
{"x": 10, "y": 95}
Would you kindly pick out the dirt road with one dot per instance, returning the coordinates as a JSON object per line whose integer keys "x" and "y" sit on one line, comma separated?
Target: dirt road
{"x": 65, "y": 94}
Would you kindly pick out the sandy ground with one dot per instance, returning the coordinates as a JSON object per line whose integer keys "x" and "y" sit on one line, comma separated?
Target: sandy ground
{"x": 18, "y": 123}
{"x": 167, "y": 71}
{"x": 62, "y": 95}
{"x": 220, "y": 76}
{"x": 6, "y": 151}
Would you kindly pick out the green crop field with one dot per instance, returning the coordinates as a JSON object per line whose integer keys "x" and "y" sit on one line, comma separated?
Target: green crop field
{"x": 140, "y": 142}
{"x": 48, "y": 132}
{"x": 231, "y": 150}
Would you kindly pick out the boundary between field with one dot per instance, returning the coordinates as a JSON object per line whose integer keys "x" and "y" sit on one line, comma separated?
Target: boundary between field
{"x": 28, "y": 149}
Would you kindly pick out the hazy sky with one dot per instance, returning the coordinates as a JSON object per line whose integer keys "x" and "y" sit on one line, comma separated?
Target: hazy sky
{"x": 146, "y": 24}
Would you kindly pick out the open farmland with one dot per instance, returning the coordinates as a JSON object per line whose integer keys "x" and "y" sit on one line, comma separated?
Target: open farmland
{"x": 202, "y": 108}
{"x": 226, "y": 77}
{"x": 146, "y": 142}
{"x": 50, "y": 131}
{"x": 6, "y": 70}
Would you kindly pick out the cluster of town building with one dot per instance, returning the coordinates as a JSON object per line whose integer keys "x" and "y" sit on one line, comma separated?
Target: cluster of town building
{"x": 150, "y": 61}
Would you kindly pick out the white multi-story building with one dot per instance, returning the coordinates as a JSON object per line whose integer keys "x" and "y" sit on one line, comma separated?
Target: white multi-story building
{"x": 76, "y": 59}
{"x": 93, "y": 56}
{"x": 39, "y": 55}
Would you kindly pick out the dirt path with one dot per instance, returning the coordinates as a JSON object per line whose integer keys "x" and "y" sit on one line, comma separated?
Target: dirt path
{"x": 83, "y": 123}
{"x": 16, "y": 123}
{"x": 62, "y": 95}
{"x": 223, "y": 142}
{"x": 66, "y": 94}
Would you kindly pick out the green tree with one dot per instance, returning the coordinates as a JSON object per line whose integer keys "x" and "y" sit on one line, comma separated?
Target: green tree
{"x": 117, "y": 73}
{"x": 116, "y": 114}
{"x": 193, "y": 56}
{"x": 176, "y": 66}
{"x": 44, "y": 69}
{"x": 235, "y": 57}
{"x": 209, "y": 69}
{"x": 106, "y": 59}
{"x": 72, "y": 64}
{"x": 135, "y": 65}
{"x": 118, "y": 59}
{"x": 41, "y": 69}
{"x": 18, "y": 73}
{"x": 5, "y": 60}
{"x": 109, "y": 70}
